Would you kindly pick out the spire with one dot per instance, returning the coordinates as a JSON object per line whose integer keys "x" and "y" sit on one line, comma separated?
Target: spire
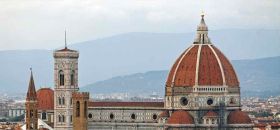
{"x": 202, "y": 32}
{"x": 202, "y": 26}
{"x": 65, "y": 40}
{"x": 31, "y": 93}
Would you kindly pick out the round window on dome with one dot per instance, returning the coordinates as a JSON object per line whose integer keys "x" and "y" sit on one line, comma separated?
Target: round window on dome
{"x": 210, "y": 101}
{"x": 184, "y": 101}
{"x": 112, "y": 116}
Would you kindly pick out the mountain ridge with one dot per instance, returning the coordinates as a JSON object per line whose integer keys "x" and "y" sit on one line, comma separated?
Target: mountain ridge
{"x": 129, "y": 53}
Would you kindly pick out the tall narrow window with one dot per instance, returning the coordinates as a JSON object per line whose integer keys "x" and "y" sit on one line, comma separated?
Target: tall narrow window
{"x": 59, "y": 100}
{"x": 73, "y": 77}
{"x": 31, "y": 113}
{"x": 61, "y": 78}
{"x": 63, "y": 118}
{"x": 85, "y": 109}
{"x": 59, "y": 118}
{"x": 78, "y": 109}
{"x": 63, "y": 101}
{"x": 44, "y": 115}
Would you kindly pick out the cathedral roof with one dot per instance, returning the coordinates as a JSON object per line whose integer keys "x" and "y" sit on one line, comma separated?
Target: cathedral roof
{"x": 211, "y": 114}
{"x": 66, "y": 50}
{"x": 45, "y": 98}
{"x": 180, "y": 117}
{"x": 126, "y": 104}
{"x": 202, "y": 64}
{"x": 31, "y": 93}
{"x": 238, "y": 117}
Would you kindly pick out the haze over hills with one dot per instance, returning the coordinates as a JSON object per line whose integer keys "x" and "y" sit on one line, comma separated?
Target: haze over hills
{"x": 259, "y": 77}
{"x": 130, "y": 53}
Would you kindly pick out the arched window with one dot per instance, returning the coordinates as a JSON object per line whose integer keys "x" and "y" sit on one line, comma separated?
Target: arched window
{"x": 207, "y": 121}
{"x": 59, "y": 100}
{"x": 78, "y": 109}
{"x": 73, "y": 77}
{"x": 31, "y": 113}
{"x": 63, "y": 118}
{"x": 85, "y": 109}
{"x": 59, "y": 118}
{"x": 63, "y": 101}
{"x": 44, "y": 115}
{"x": 61, "y": 78}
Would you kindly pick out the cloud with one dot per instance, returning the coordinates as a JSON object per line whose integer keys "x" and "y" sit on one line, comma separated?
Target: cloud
{"x": 34, "y": 24}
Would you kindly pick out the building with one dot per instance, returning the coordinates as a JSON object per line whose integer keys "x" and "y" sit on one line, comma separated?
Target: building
{"x": 202, "y": 92}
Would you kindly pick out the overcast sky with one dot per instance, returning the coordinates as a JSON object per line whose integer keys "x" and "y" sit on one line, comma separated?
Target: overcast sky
{"x": 40, "y": 24}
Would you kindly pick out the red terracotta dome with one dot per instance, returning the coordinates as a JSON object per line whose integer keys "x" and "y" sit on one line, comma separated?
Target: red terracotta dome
{"x": 45, "y": 99}
{"x": 238, "y": 117}
{"x": 180, "y": 117}
{"x": 211, "y": 114}
{"x": 202, "y": 64}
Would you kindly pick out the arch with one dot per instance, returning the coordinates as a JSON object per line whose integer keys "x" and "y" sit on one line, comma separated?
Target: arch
{"x": 59, "y": 118}
{"x": 78, "y": 109}
{"x": 61, "y": 78}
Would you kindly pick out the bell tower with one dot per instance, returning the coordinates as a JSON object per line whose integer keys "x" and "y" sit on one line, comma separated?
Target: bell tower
{"x": 66, "y": 82}
{"x": 31, "y": 106}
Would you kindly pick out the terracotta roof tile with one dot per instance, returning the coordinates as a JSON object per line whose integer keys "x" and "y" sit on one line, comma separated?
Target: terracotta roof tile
{"x": 180, "y": 117}
{"x": 238, "y": 117}
{"x": 45, "y": 98}
{"x": 211, "y": 114}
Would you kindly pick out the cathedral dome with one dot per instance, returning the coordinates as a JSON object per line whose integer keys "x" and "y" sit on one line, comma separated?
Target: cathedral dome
{"x": 180, "y": 117}
{"x": 202, "y": 64}
{"x": 238, "y": 117}
{"x": 45, "y": 97}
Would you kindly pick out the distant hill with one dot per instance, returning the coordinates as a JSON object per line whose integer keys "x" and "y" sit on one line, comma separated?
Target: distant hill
{"x": 260, "y": 77}
{"x": 129, "y": 53}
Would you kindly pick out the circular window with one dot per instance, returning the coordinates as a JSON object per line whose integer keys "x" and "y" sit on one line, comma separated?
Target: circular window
{"x": 133, "y": 116}
{"x": 90, "y": 115}
{"x": 210, "y": 101}
{"x": 184, "y": 101}
{"x": 112, "y": 116}
{"x": 154, "y": 116}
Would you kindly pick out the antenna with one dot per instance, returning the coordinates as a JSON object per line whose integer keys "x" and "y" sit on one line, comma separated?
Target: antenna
{"x": 65, "y": 39}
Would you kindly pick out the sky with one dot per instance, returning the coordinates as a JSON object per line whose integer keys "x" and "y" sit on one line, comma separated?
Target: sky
{"x": 40, "y": 24}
